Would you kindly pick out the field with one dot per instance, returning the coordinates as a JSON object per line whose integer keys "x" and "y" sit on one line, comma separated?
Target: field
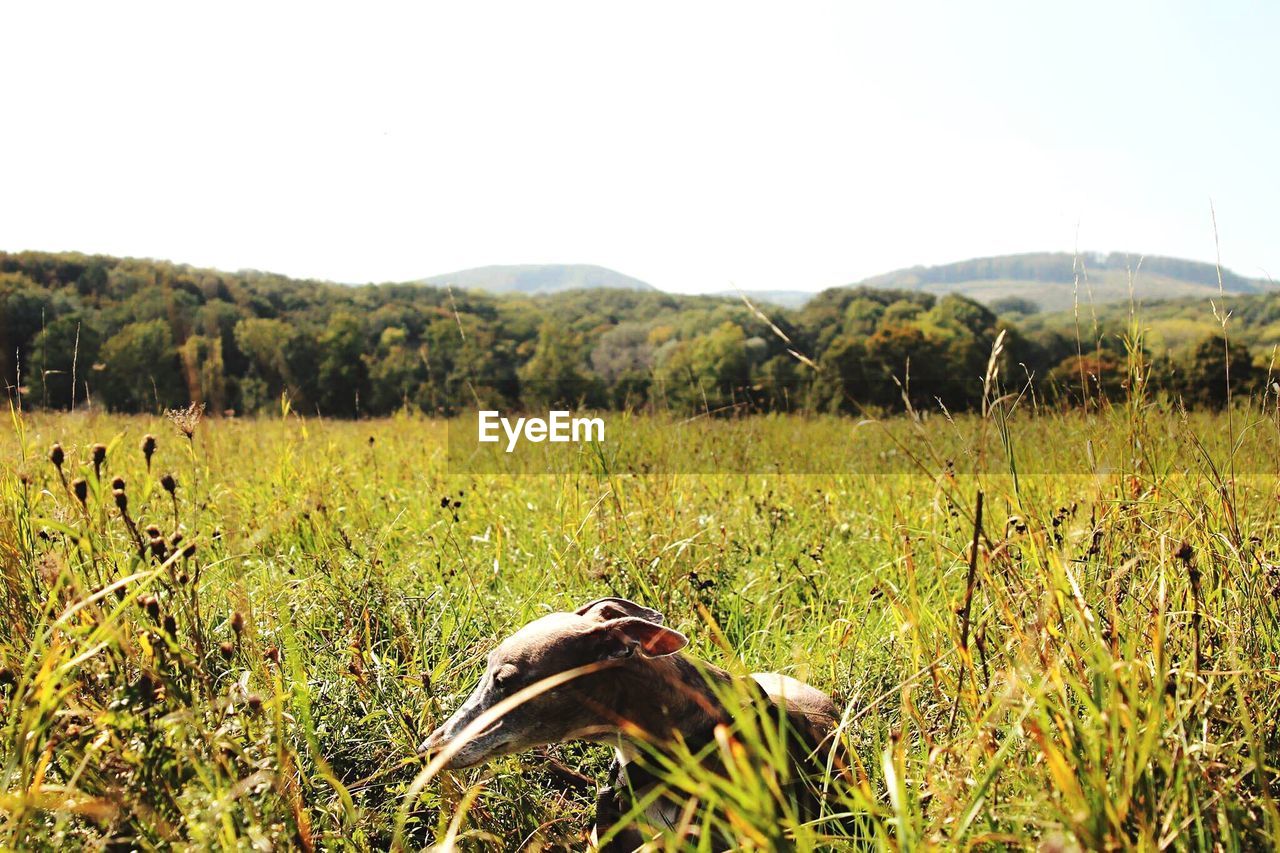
{"x": 265, "y": 680}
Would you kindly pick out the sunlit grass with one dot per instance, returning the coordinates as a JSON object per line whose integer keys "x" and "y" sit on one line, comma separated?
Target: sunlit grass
{"x": 266, "y": 678}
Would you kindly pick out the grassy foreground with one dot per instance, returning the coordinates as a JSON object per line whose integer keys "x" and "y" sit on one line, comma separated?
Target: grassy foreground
{"x": 264, "y": 680}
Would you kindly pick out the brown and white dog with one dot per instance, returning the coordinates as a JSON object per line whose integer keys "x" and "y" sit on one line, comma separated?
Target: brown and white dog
{"x": 636, "y": 687}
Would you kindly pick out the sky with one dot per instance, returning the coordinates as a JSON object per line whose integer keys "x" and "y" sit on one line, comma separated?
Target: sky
{"x": 699, "y": 146}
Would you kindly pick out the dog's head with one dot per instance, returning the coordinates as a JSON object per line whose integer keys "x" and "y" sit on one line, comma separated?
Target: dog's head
{"x": 597, "y": 638}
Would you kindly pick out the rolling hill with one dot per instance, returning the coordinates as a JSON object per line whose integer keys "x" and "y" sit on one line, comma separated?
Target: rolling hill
{"x": 780, "y": 298}
{"x": 538, "y": 278}
{"x": 1055, "y": 280}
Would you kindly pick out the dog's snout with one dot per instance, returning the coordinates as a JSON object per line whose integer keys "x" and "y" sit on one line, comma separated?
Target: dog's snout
{"x": 433, "y": 741}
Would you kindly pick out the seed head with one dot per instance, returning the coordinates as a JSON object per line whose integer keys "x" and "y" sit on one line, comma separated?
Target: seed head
{"x": 227, "y": 649}
{"x": 255, "y": 702}
{"x": 1184, "y": 552}
{"x": 171, "y": 625}
{"x": 169, "y": 484}
{"x": 148, "y": 448}
{"x": 273, "y": 654}
{"x": 80, "y": 488}
{"x": 175, "y": 539}
{"x": 237, "y": 622}
{"x": 122, "y": 500}
{"x": 158, "y": 548}
{"x": 117, "y": 483}
{"x": 189, "y": 551}
{"x": 186, "y": 420}
{"x": 56, "y": 456}
{"x": 151, "y": 604}
{"x": 152, "y": 530}
{"x": 99, "y": 456}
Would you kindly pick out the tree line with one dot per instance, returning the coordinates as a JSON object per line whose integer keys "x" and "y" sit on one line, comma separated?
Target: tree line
{"x": 141, "y": 336}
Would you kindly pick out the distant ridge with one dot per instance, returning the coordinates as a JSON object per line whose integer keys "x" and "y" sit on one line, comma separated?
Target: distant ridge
{"x": 1050, "y": 278}
{"x": 539, "y": 278}
{"x": 781, "y": 298}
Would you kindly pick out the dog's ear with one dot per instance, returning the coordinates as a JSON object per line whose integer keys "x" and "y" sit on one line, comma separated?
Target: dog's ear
{"x": 604, "y": 609}
{"x": 620, "y": 638}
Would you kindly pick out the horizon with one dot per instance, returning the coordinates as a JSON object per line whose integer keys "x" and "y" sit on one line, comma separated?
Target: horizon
{"x": 431, "y": 280}
{"x": 699, "y": 150}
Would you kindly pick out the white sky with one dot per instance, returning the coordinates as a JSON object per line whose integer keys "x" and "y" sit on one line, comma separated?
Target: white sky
{"x": 694, "y": 145}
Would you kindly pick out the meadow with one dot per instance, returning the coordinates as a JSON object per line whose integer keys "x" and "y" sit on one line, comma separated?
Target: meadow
{"x": 237, "y": 640}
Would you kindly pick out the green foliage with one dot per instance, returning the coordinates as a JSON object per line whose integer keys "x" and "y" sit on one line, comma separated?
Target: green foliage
{"x": 1015, "y": 305}
{"x": 341, "y": 373}
{"x": 140, "y": 369}
{"x": 553, "y": 376}
{"x": 165, "y": 335}
{"x": 1220, "y": 369}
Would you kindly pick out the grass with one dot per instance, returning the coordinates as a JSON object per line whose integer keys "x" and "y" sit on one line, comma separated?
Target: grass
{"x": 264, "y": 681}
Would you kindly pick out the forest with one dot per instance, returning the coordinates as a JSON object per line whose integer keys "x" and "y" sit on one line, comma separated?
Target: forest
{"x": 144, "y": 336}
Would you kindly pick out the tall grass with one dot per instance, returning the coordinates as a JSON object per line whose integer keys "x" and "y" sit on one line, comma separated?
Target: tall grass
{"x": 250, "y": 660}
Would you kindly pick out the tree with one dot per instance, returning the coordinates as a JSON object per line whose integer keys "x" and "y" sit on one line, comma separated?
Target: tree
{"x": 1092, "y": 375}
{"x": 397, "y": 372}
{"x": 279, "y": 359}
{"x": 140, "y": 369}
{"x": 903, "y": 357}
{"x": 623, "y": 350}
{"x": 711, "y": 371}
{"x": 204, "y": 371}
{"x": 1207, "y": 377}
{"x": 24, "y": 310}
{"x": 842, "y": 383}
{"x": 63, "y": 352}
{"x": 1015, "y": 305}
{"x": 341, "y": 374}
{"x": 553, "y": 376}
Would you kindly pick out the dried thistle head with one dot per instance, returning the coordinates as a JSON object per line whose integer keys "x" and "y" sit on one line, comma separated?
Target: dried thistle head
{"x": 148, "y": 447}
{"x": 122, "y": 500}
{"x": 237, "y": 622}
{"x": 186, "y": 420}
{"x": 117, "y": 483}
{"x": 80, "y": 488}
{"x": 168, "y": 483}
{"x": 56, "y": 456}
{"x": 99, "y": 455}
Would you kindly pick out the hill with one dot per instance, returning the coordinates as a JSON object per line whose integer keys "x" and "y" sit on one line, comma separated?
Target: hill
{"x": 780, "y": 298}
{"x": 538, "y": 278}
{"x": 1055, "y": 280}
{"x": 1171, "y": 327}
